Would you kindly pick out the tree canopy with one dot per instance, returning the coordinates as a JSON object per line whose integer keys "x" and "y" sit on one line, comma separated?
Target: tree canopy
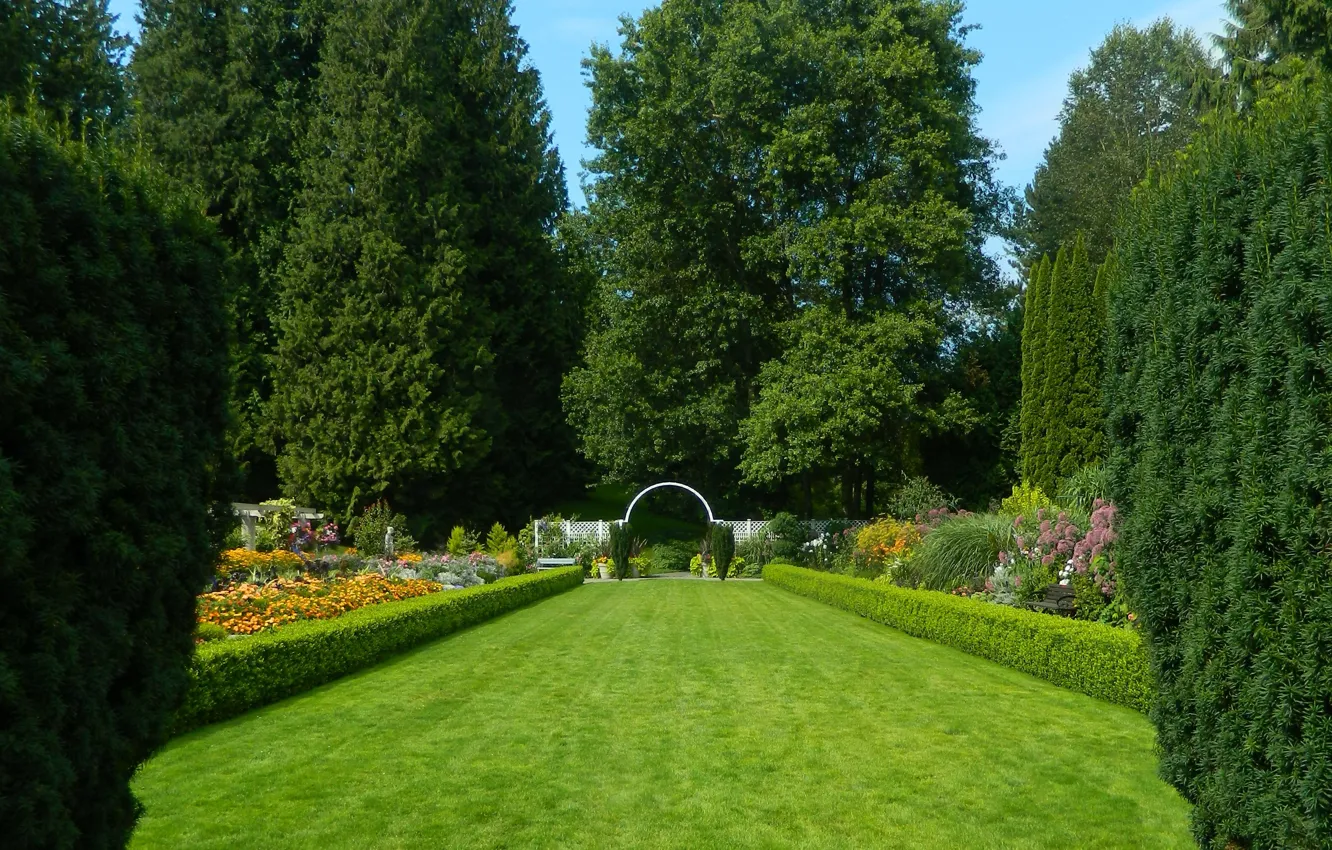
{"x": 754, "y": 161}
{"x": 1137, "y": 102}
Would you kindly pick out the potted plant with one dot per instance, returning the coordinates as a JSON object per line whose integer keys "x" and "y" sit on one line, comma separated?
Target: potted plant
{"x": 602, "y": 566}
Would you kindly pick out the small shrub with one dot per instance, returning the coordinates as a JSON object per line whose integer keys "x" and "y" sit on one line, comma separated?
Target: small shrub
{"x": 621, "y": 545}
{"x": 671, "y": 557}
{"x": 499, "y": 541}
{"x": 787, "y": 536}
{"x": 369, "y": 528}
{"x": 1097, "y": 660}
{"x": 884, "y": 545}
{"x": 917, "y": 496}
{"x": 723, "y": 549}
{"x": 1026, "y": 500}
{"x": 461, "y": 542}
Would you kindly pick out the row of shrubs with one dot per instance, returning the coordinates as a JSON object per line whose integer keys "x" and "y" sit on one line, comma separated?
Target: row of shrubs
{"x": 1101, "y": 661}
{"x": 230, "y": 677}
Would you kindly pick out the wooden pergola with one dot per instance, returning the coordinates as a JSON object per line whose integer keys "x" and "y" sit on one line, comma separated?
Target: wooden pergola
{"x": 250, "y": 513}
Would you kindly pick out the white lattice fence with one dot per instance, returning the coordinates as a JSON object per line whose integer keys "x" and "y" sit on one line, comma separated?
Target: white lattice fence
{"x": 746, "y": 529}
{"x": 598, "y": 531}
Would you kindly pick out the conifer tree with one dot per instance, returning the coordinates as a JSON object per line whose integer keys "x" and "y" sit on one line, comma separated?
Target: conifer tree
{"x": 223, "y": 90}
{"x": 1080, "y": 329}
{"x": 1033, "y": 368}
{"x": 425, "y": 318}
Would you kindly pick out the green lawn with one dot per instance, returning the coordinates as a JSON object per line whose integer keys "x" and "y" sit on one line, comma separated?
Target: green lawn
{"x": 668, "y": 713}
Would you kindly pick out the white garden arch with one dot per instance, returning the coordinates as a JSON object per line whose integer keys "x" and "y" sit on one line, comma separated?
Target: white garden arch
{"x": 711, "y": 519}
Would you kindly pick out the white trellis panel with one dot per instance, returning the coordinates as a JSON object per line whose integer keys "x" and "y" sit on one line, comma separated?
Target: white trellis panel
{"x": 749, "y": 528}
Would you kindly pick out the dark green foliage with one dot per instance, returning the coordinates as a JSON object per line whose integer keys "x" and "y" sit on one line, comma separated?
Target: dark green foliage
{"x": 367, "y": 530}
{"x": 112, "y": 415}
{"x": 65, "y": 57}
{"x": 671, "y": 557}
{"x": 1073, "y": 421}
{"x": 831, "y": 159}
{"x": 621, "y": 543}
{"x": 979, "y": 463}
{"x": 426, "y": 319}
{"x": 223, "y": 90}
{"x": 1097, "y": 660}
{"x": 1272, "y": 44}
{"x": 723, "y": 549}
{"x": 916, "y": 497}
{"x": 847, "y": 396}
{"x": 231, "y": 677}
{"x": 1219, "y": 406}
{"x": 1062, "y": 420}
{"x": 787, "y": 535}
{"x": 1034, "y": 319}
{"x": 1137, "y": 102}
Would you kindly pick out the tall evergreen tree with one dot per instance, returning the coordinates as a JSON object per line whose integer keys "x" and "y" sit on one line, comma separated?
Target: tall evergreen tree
{"x": 1137, "y": 102}
{"x": 1034, "y": 321}
{"x": 424, "y": 310}
{"x": 1272, "y": 43}
{"x": 66, "y": 56}
{"x": 1072, "y": 373}
{"x": 223, "y": 90}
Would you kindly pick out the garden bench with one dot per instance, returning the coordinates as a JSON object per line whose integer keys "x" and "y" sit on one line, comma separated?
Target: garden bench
{"x": 550, "y": 563}
{"x": 1058, "y": 600}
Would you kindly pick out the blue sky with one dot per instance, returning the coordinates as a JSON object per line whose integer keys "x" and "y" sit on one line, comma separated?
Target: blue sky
{"x": 1030, "y": 47}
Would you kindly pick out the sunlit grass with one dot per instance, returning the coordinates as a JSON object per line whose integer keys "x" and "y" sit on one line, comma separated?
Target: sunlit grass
{"x": 670, "y": 714}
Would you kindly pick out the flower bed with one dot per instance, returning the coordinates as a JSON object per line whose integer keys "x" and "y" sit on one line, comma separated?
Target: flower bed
{"x": 233, "y": 676}
{"x": 236, "y": 561}
{"x": 249, "y": 608}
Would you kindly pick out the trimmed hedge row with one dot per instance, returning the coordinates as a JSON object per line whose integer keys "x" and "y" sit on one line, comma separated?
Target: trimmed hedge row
{"x": 230, "y": 677}
{"x": 1107, "y": 663}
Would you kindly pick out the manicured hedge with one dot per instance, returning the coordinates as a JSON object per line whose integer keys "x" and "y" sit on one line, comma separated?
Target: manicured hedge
{"x": 1219, "y": 401}
{"x": 113, "y": 453}
{"x": 1097, "y": 660}
{"x": 234, "y": 676}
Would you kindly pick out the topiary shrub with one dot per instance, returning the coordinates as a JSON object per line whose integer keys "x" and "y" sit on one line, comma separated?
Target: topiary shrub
{"x": 723, "y": 549}
{"x": 113, "y": 411}
{"x": 1221, "y": 460}
{"x": 787, "y": 535}
{"x": 621, "y": 544}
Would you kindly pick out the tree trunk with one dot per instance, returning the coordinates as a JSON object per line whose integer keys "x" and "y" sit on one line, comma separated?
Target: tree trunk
{"x": 869, "y": 492}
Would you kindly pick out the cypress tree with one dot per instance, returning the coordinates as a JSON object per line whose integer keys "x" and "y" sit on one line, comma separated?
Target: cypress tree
{"x": 425, "y": 321}
{"x": 1082, "y": 325}
{"x": 1033, "y": 369}
{"x": 1057, "y": 373}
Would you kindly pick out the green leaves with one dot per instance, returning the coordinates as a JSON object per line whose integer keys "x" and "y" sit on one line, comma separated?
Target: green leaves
{"x": 1218, "y": 409}
{"x": 755, "y": 161}
{"x": 113, "y": 410}
{"x": 1134, "y": 105}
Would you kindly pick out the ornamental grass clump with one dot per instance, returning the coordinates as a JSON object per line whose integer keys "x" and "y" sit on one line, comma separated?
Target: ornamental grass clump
{"x": 963, "y": 550}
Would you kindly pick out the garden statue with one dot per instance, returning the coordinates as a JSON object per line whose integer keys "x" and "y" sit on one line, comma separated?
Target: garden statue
{"x": 388, "y": 542}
